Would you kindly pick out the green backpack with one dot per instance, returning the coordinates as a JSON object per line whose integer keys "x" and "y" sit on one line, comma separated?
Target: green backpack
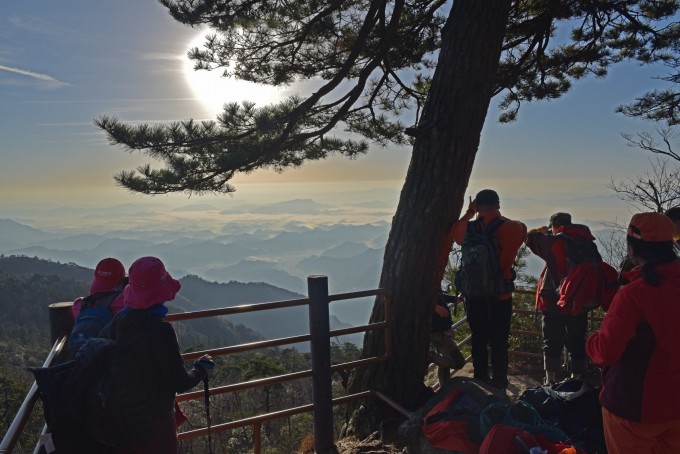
{"x": 479, "y": 276}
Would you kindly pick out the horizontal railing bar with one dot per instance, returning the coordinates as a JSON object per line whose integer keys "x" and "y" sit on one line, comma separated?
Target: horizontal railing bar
{"x": 348, "y": 296}
{"x": 177, "y": 316}
{"x": 358, "y": 363}
{"x": 274, "y": 380}
{"x": 247, "y": 384}
{"x": 10, "y": 439}
{"x": 247, "y": 347}
{"x": 459, "y": 322}
{"x": 267, "y": 416}
{"x": 243, "y": 308}
{"x": 392, "y": 403}
{"x": 277, "y": 342}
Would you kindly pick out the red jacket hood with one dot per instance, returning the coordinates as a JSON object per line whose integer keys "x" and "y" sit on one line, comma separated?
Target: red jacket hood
{"x": 578, "y": 231}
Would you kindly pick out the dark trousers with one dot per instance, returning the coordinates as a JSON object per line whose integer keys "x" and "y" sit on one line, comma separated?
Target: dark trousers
{"x": 164, "y": 439}
{"x": 490, "y": 326}
{"x": 559, "y": 331}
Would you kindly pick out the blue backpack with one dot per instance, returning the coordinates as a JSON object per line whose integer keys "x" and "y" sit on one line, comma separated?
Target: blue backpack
{"x": 95, "y": 314}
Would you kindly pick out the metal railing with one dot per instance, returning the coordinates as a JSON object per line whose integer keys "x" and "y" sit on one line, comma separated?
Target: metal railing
{"x": 320, "y": 299}
{"x": 320, "y": 364}
{"x": 320, "y": 335}
{"x": 17, "y": 427}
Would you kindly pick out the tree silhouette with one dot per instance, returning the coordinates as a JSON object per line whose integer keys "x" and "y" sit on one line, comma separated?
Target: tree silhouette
{"x": 376, "y": 61}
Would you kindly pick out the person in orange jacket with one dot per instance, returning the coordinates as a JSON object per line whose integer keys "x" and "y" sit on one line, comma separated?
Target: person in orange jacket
{"x": 637, "y": 345}
{"x": 489, "y": 316}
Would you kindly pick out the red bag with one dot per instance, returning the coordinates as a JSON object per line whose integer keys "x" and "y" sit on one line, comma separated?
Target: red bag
{"x": 504, "y": 439}
{"x": 587, "y": 286}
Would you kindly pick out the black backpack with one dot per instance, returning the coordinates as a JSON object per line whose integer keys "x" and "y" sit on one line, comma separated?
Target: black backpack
{"x": 88, "y": 401}
{"x": 480, "y": 276}
{"x": 95, "y": 314}
{"x": 574, "y": 406}
{"x": 580, "y": 250}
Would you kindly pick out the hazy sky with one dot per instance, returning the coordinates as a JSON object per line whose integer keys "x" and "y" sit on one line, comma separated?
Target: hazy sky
{"x": 62, "y": 64}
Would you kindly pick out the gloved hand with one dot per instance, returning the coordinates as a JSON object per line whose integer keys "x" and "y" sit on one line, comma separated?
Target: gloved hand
{"x": 204, "y": 365}
{"x": 542, "y": 230}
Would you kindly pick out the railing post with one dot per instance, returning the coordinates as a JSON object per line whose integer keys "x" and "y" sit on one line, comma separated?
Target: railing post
{"x": 61, "y": 323}
{"x": 61, "y": 320}
{"x": 319, "y": 328}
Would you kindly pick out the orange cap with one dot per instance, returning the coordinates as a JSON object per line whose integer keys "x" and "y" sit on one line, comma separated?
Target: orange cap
{"x": 651, "y": 227}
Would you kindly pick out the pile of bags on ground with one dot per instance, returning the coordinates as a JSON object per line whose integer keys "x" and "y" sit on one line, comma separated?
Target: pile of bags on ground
{"x": 470, "y": 417}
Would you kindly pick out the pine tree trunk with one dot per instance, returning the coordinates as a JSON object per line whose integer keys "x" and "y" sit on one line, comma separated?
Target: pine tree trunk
{"x": 432, "y": 197}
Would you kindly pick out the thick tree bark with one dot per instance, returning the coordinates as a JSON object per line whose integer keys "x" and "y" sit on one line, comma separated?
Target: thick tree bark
{"x": 433, "y": 194}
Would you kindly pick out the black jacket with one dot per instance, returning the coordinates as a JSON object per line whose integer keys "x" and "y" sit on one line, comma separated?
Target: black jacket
{"x": 152, "y": 364}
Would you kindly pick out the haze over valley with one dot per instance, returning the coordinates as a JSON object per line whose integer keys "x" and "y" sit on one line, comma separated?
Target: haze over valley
{"x": 263, "y": 237}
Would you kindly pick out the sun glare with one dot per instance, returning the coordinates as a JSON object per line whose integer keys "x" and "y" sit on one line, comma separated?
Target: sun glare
{"x": 213, "y": 91}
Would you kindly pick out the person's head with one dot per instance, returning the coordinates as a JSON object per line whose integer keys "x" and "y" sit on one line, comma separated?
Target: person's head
{"x": 149, "y": 284}
{"x": 650, "y": 242}
{"x": 108, "y": 274}
{"x": 559, "y": 220}
{"x": 674, "y": 215}
{"x": 487, "y": 200}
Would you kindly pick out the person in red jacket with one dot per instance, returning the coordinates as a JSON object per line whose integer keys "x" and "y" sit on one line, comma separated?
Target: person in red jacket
{"x": 638, "y": 345}
{"x": 558, "y": 245}
{"x": 489, "y": 317}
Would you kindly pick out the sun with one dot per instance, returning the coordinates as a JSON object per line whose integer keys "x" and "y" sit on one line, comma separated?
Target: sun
{"x": 213, "y": 91}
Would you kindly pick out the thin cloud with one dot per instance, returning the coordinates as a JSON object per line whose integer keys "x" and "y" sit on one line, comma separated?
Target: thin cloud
{"x": 161, "y": 56}
{"x": 47, "y": 79}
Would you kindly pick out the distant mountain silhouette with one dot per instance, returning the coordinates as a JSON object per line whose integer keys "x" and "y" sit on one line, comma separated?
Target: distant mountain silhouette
{"x": 347, "y": 274}
{"x": 257, "y": 271}
{"x": 14, "y": 234}
{"x": 19, "y": 265}
{"x": 272, "y": 324}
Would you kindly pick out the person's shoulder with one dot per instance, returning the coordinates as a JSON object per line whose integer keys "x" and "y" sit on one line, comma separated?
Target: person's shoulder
{"x": 513, "y": 225}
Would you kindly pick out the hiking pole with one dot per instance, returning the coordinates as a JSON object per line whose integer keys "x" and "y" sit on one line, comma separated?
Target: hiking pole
{"x": 206, "y": 399}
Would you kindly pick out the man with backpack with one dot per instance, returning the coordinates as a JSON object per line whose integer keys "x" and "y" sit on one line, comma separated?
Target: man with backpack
{"x": 93, "y": 312}
{"x": 489, "y": 245}
{"x": 567, "y": 288}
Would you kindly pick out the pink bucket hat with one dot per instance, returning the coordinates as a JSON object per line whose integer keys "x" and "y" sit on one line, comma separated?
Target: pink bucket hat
{"x": 108, "y": 273}
{"x": 149, "y": 284}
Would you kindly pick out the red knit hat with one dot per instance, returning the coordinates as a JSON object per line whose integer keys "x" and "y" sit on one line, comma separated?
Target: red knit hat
{"x": 149, "y": 284}
{"x": 651, "y": 227}
{"x": 108, "y": 273}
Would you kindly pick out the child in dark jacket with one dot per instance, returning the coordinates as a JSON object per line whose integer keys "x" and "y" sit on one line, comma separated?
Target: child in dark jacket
{"x": 153, "y": 372}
